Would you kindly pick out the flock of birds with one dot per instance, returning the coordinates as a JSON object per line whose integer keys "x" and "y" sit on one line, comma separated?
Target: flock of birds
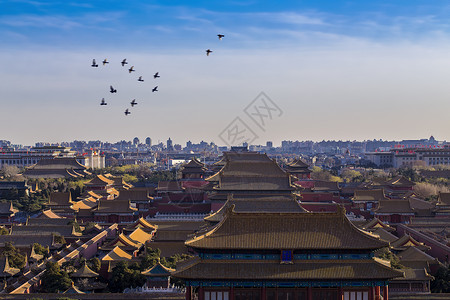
{"x": 112, "y": 90}
{"x": 209, "y": 51}
{"x": 124, "y": 62}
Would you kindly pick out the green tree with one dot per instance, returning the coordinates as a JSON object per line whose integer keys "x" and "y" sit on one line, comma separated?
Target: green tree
{"x": 351, "y": 175}
{"x": 395, "y": 261}
{"x": 130, "y": 178}
{"x": 15, "y": 258}
{"x": 59, "y": 239}
{"x": 441, "y": 281}
{"x": 54, "y": 279}
{"x": 76, "y": 225}
{"x": 123, "y": 277}
{"x": 150, "y": 259}
{"x": 89, "y": 226}
{"x": 171, "y": 262}
{"x": 408, "y": 173}
{"x": 94, "y": 263}
{"x": 39, "y": 249}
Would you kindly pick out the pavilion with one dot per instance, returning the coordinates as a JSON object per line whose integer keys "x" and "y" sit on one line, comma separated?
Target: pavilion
{"x": 280, "y": 256}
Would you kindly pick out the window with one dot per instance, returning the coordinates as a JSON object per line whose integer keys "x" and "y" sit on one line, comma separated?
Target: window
{"x": 216, "y": 295}
{"x": 417, "y": 286}
{"x": 356, "y": 295}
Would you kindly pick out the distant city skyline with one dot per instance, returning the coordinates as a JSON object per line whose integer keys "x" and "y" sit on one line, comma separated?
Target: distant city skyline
{"x": 339, "y": 70}
{"x": 143, "y": 141}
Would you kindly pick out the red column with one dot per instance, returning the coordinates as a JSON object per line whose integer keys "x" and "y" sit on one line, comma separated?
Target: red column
{"x": 200, "y": 293}
{"x": 377, "y": 293}
{"x": 310, "y": 297}
{"x": 385, "y": 293}
{"x": 231, "y": 293}
{"x": 341, "y": 293}
{"x": 371, "y": 291}
{"x": 263, "y": 293}
{"x": 188, "y": 292}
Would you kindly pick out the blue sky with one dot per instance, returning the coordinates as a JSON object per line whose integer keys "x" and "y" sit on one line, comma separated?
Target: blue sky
{"x": 337, "y": 69}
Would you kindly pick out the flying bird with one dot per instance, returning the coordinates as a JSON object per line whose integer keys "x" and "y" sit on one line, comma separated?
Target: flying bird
{"x": 133, "y": 103}
{"x": 124, "y": 62}
{"x": 140, "y": 79}
{"x": 127, "y": 112}
{"x": 221, "y": 36}
{"x": 208, "y": 52}
{"x": 156, "y": 75}
{"x": 112, "y": 90}
{"x": 105, "y": 61}
{"x": 103, "y": 102}
{"x": 94, "y": 64}
{"x": 155, "y": 89}
{"x": 131, "y": 69}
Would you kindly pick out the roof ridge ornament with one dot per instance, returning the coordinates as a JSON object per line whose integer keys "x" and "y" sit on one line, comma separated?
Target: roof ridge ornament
{"x": 230, "y": 209}
{"x": 341, "y": 210}
{"x": 230, "y": 197}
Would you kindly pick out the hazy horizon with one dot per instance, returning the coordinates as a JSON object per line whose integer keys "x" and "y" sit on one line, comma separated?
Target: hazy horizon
{"x": 183, "y": 143}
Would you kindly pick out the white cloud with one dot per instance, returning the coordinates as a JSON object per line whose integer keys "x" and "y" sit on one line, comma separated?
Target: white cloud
{"x": 293, "y": 18}
{"x": 60, "y": 21}
{"x": 39, "y": 21}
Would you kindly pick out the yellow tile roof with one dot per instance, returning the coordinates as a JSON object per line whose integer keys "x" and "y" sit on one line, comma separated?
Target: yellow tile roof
{"x": 93, "y": 194}
{"x": 117, "y": 254}
{"x": 100, "y": 180}
{"x": 145, "y": 223}
{"x": 286, "y": 231}
{"x": 140, "y": 236}
{"x": 83, "y": 204}
{"x": 127, "y": 241}
{"x": 367, "y": 269}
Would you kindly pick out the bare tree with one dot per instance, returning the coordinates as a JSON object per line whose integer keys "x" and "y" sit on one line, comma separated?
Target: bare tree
{"x": 9, "y": 171}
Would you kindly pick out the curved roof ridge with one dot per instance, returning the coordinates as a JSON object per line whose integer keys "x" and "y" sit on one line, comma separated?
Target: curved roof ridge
{"x": 166, "y": 270}
{"x": 128, "y": 241}
{"x": 84, "y": 271}
{"x": 298, "y": 162}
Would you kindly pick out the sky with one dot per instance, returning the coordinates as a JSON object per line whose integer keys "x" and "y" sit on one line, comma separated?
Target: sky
{"x": 342, "y": 70}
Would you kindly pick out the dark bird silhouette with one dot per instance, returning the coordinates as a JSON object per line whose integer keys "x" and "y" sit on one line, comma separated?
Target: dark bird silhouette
{"x": 140, "y": 79}
{"x": 124, "y": 62}
{"x": 155, "y": 89}
{"x": 221, "y": 36}
{"x": 156, "y": 75}
{"x": 112, "y": 90}
{"x": 127, "y": 112}
{"x": 94, "y": 64}
{"x": 103, "y": 102}
{"x": 105, "y": 61}
{"x": 208, "y": 52}
{"x": 131, "y": 69}
{"x": 133, "y": 103}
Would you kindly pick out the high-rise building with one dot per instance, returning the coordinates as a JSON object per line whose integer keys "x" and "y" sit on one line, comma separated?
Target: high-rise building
{"x": 148, "y": 141}
{"x": 269, "y": 144}
{"x": 169, "y": 145}
{"x": 136, "y": 141}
